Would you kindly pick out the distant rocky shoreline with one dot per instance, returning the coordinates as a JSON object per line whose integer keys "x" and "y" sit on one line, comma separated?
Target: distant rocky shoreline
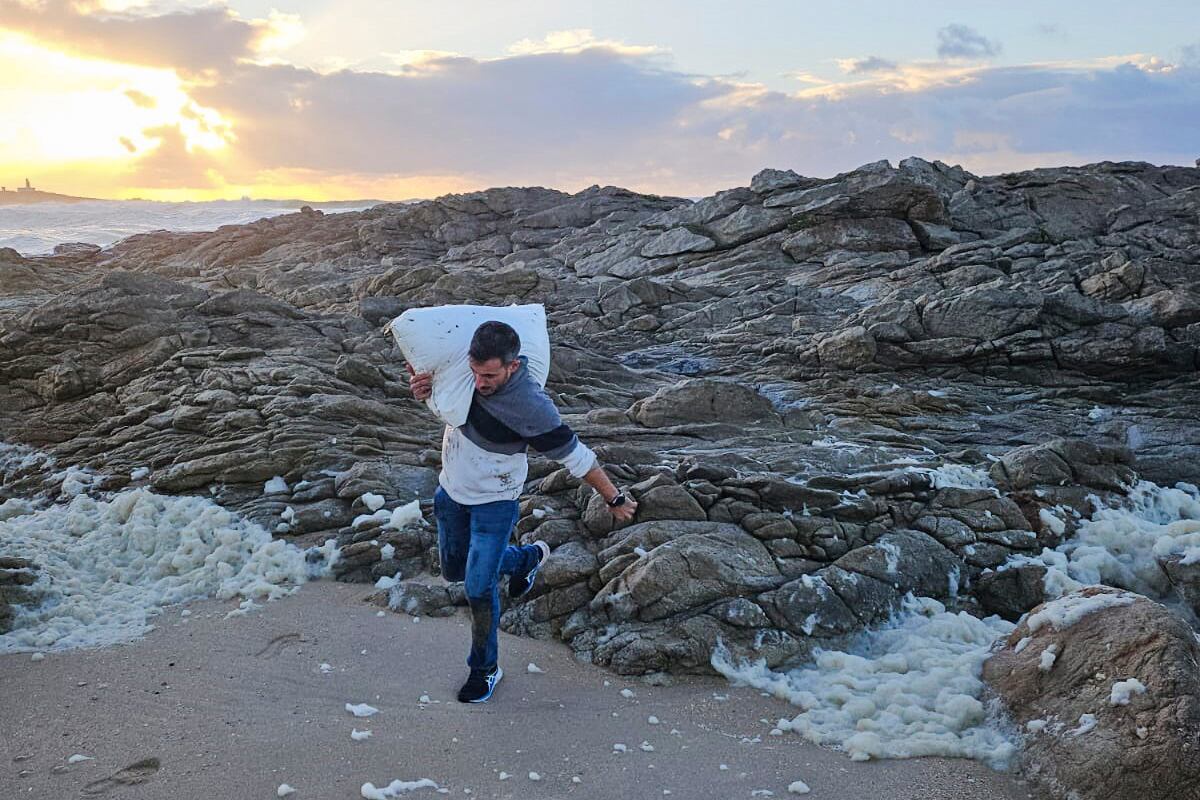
{"x": 11, "y": 198}
{"x": 825, "y": 393}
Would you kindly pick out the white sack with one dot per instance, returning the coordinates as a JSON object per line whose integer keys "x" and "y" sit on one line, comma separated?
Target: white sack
{"x": 436, "y": 340}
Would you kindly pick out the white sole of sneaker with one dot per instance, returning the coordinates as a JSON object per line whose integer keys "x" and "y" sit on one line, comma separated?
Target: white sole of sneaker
{"x": 492, "y": 684}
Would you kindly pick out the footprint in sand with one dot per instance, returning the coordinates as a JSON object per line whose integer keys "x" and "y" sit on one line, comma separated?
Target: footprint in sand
{"x": 277, "y": 645}
{"x": 140, "y": 772}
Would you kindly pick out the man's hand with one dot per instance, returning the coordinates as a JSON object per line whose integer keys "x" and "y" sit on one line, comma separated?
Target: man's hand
{"x": 598, "y": 479}
{"x": 421, "y": 383}
{"x": 625, "y": 511}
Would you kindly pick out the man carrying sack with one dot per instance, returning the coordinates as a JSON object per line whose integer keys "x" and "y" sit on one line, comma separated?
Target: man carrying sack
{"x": 484, "y": 466}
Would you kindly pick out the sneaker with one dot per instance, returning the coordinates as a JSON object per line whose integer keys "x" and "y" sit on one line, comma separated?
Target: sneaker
{"x": 519, "y": 585}
{"x": 480, "y": 685}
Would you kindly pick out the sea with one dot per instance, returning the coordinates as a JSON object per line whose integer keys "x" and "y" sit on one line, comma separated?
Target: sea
{"x": 37, "y": 228}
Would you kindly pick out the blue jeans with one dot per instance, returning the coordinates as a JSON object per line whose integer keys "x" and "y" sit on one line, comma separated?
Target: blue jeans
{"x": 473, "y": 544}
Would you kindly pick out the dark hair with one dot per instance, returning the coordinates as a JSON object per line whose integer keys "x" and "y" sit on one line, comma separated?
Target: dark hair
{"x": 495, "y": 340}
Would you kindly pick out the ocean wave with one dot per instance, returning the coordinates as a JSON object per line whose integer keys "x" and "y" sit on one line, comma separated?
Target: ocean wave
{"x": 37, "y": 228}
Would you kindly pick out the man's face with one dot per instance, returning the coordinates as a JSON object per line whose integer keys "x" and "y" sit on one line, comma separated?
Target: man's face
{"x": 490, "y": 375}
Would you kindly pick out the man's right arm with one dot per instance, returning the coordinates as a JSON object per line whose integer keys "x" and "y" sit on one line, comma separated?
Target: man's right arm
{"x": 420, "y": 383}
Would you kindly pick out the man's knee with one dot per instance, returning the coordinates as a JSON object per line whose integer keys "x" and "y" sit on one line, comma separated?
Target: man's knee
{"x": 479, "y": 592}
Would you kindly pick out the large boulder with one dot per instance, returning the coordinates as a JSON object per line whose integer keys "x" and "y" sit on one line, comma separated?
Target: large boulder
{"x": 420, "y": 599}
{"x": 679, "y": 240}
{"x": 1107, "y": 685}
{"x": 395, "y": 482}
{"x": 702, "y": 400}
{"x": 864, "y": 586}
{"x": 982, "y": 313}
{"x": 747, "y": 223}
{"x": 689, "y": 571}
{"x": 571, "y": 563}
{"x": 863, "y": 235}
{"x": 847, "y": 349}
{"x": 875, "y": 190}
{"x": 668, "y": 501}
{"x": 1061, "y": 461}
{"x": 772, "y": 180}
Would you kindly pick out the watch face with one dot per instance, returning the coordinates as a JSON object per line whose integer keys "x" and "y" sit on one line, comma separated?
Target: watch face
{"x": 619, "y": 500}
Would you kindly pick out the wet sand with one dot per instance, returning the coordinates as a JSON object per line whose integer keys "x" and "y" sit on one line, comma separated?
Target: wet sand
{"x": 206, "y": 708}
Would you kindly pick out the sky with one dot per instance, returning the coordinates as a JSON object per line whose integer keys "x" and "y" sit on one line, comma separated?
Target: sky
{"x": 397, "y": 99}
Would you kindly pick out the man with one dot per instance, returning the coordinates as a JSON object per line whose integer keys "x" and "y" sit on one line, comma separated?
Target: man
{"x": 483, "y": 473}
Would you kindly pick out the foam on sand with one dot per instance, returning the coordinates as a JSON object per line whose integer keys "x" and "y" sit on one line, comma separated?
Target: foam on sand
{"x": 107, "y": 567}
{"x": 396, "y": 788}
{"x": 910, "y": 689}
{"x": 913, "y": 688}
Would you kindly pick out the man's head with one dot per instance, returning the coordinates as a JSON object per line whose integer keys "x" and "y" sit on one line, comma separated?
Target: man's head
{"x": 493, "y": 355}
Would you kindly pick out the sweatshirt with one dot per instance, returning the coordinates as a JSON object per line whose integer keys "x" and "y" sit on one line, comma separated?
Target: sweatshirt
{"x": 484, "y": 460}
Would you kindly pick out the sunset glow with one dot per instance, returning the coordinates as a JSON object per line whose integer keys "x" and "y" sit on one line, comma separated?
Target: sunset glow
{"x": 98, "y": 118}
{"x": 61, "y": 107}
{"x": 189, "y": 99}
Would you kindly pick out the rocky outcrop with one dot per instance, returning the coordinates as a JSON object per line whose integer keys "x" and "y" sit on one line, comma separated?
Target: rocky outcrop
{"x": 1106, "y": 685}
{"x": 824, "y": 393}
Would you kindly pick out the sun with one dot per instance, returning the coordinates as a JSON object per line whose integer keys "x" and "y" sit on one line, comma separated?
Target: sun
{"x": 61, "y": 108}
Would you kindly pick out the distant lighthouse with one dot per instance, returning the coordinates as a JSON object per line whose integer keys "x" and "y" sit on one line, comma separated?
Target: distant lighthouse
{"x": 26, "y": 187}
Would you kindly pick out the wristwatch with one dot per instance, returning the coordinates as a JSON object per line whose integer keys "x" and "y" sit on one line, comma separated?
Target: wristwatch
{"x": 617, "y": 501}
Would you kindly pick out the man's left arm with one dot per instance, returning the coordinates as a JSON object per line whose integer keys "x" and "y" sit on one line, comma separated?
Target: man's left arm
{"x": 562, "y": 445}
{"x": 598, "y": 479}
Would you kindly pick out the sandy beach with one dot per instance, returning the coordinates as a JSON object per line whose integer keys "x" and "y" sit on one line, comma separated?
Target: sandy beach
{"x": 208, "y": 707}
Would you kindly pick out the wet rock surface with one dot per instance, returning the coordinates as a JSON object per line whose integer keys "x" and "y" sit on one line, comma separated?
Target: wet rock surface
{"x": 825, "y": 393}
{"x": 17, "y": 576}
{"x": 1113, "y": 710}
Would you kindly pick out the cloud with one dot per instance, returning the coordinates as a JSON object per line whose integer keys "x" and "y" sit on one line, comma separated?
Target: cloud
{"x": 170, "y": 164}
{"x": 280, "y": 32}
{"x": 804, "y": 76}
{"x": 570, "y": 110}
{"x": 576, "y": 40}
{"x": 140, "y": 99}
{"x": 567, "y": 119}
{"x": 859, "y": 66}
{"x": 531, "y": 115}
{"x": 960, "y": 41}
{"x": 189, "y": 40}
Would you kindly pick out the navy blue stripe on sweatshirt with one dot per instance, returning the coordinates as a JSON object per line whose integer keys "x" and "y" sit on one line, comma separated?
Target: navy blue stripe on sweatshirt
{"x": 555, "y": 443}
{"x": 489, "y": 427}
{"x": 556, "y": 439}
